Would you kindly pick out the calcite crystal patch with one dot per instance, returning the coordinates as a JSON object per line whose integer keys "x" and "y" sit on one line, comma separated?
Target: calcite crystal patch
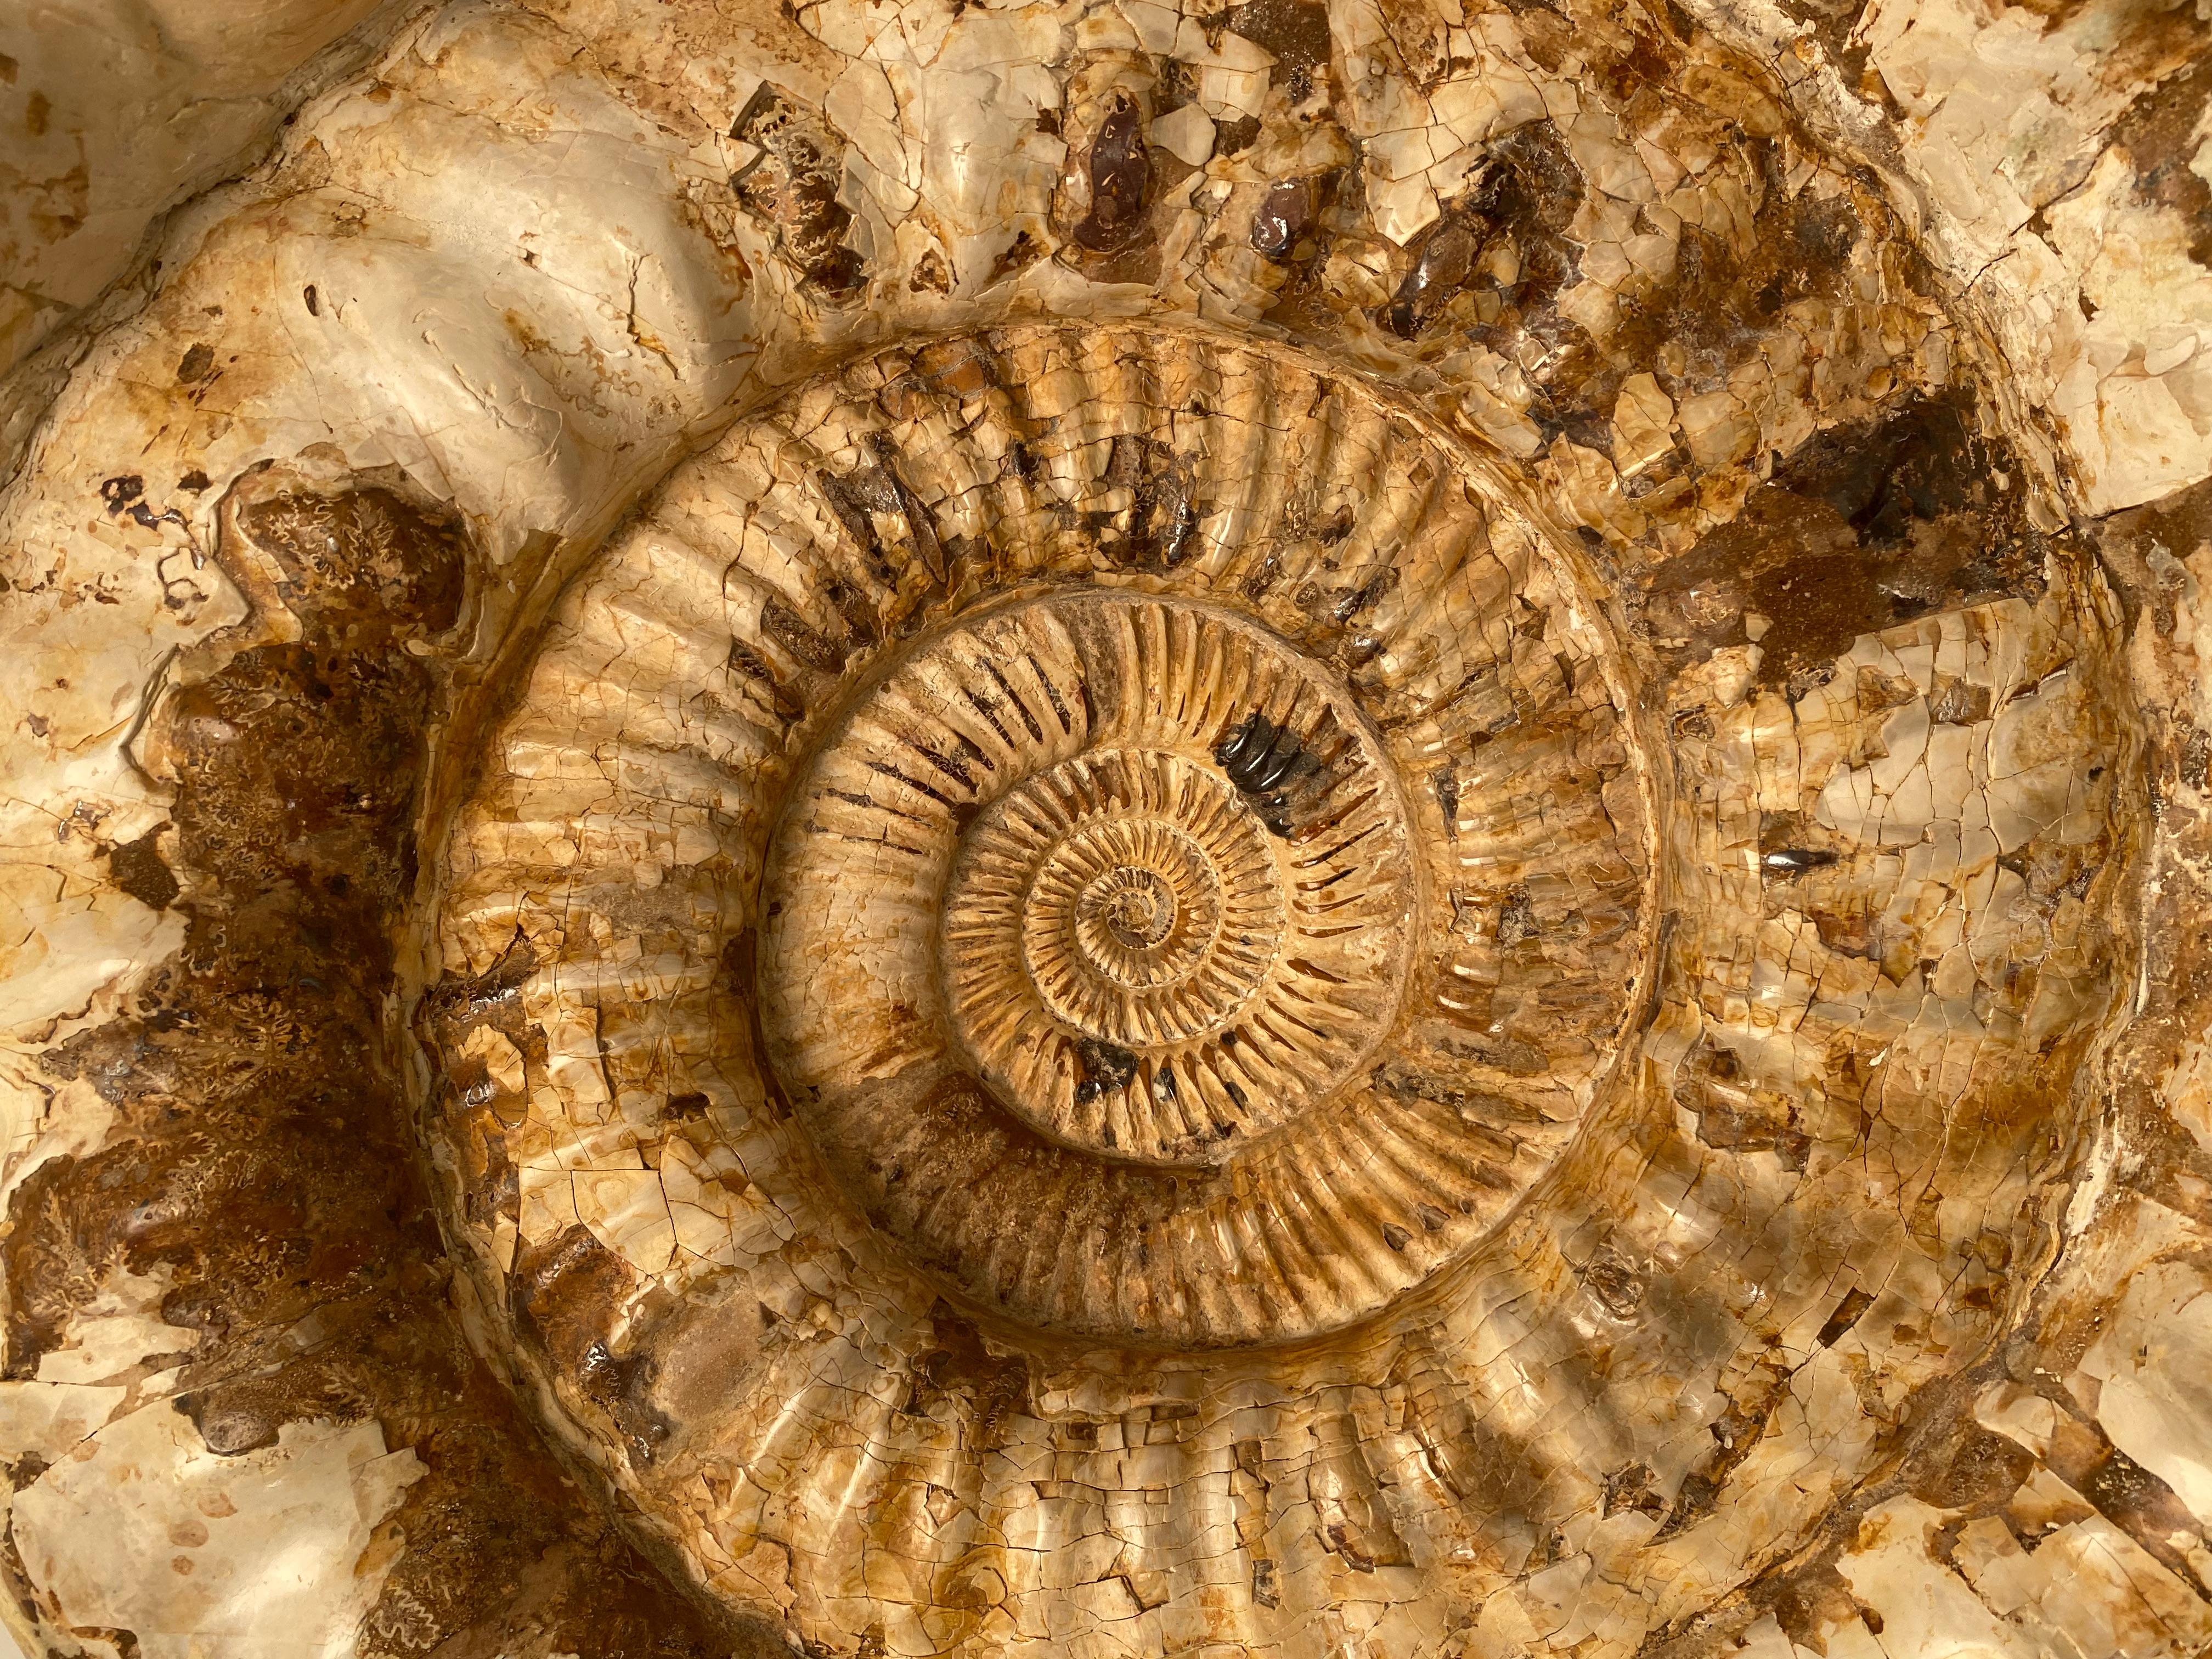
{"x": 1001, "y": 831}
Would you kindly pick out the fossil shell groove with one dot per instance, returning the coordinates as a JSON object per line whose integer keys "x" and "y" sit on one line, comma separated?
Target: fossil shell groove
{"x": 1326, "y": 831}
{"x": 963, "y": 573}
{"x": 1328, "y": 1093}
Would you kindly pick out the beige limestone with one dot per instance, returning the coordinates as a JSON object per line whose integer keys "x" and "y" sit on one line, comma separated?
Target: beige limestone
{"x": 489, "y": 1171}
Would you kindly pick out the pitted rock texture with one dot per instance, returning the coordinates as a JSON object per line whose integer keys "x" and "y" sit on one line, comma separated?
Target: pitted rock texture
{"x": 688, "y": 693}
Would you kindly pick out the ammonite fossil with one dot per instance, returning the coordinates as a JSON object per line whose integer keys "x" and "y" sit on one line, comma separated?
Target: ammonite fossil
{"x": 1021, "y": 833}
{"x": 1018, "y": 839}
{"x": 1091, "y": 839}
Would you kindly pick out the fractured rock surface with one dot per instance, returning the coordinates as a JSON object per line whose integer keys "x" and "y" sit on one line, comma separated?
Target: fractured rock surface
{"x": 914, "y": 829}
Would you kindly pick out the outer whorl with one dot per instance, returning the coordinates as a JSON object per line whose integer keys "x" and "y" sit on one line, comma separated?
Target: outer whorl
{"x": 1370, "y": 829}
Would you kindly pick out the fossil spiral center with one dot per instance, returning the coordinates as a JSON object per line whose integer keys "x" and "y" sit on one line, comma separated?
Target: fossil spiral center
{"x": 1135, "y": 906}
{"x": 1189, "y": 949}
{"x": 1138, "y": 909}
{"x": 1128, "y": 871}
{"x": 1138, "y": 893}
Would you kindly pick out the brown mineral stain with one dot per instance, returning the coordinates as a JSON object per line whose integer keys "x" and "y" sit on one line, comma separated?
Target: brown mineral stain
{"x": 1860, "y": 529}
{"x": 2156, "y": 133}
{"x": 1846, "y": 1313}
{"x": 1157, "y": 531}
{"x": 1120, "y": 170}
{"x": 1982, "y": 1469}
{"x": 793, "y": 186}
{"x": 1296, "y": 33}
{"x": 1523, "y": 204}
{"x": 139, "y": 870}
{"x": 262, "y": 1156}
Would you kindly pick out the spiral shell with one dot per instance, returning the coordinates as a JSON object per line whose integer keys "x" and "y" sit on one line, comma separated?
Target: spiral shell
{"x": 1126, "y": 945}
{"x": 1465, "y": 922}
{"x": 1178, "y": 920}
{"x": 1131, "y": 857}
{"x": 1054, "y": 871}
